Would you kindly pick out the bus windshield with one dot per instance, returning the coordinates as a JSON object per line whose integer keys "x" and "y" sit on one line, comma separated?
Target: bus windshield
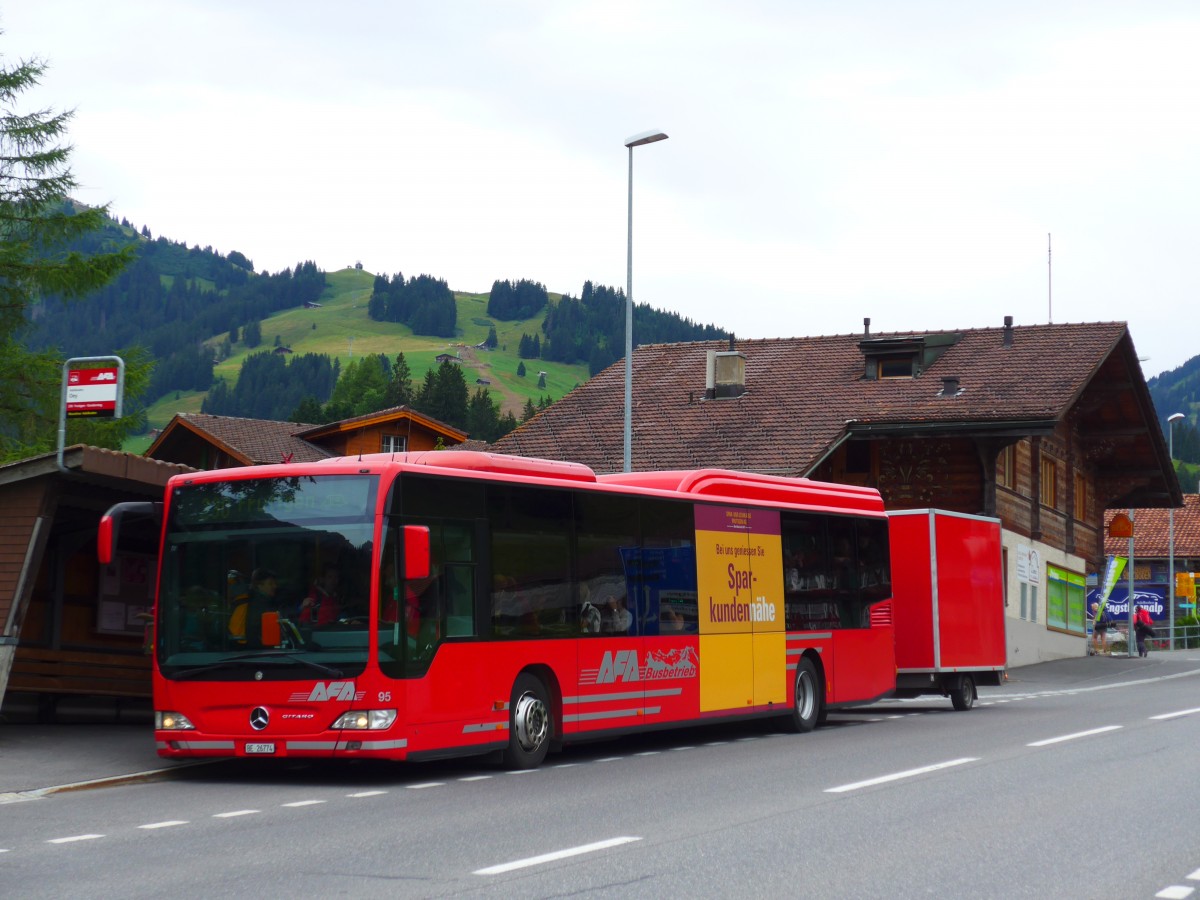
{"x": 267, "y": 578}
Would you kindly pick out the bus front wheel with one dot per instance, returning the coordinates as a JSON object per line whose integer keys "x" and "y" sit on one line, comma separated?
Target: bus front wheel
{"x": 806, "y": 709}
{"x": 529, "y": 724}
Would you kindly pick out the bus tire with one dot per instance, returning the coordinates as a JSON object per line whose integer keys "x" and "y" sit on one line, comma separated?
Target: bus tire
{"x": 530, "y": 724}
{"x": 962, "y": 693}
{"x": 807, "y": 708}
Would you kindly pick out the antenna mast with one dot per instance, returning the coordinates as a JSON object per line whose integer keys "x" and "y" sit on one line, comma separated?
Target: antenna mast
{"x": 1049, "y": 283}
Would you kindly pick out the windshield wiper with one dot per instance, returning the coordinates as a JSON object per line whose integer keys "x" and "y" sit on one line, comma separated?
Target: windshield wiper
{"x": 261, "y": 654}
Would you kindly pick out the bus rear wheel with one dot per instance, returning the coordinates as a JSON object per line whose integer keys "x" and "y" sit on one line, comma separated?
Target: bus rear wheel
{"x": 807, "y": 709}
{"x": 529, "y": 724}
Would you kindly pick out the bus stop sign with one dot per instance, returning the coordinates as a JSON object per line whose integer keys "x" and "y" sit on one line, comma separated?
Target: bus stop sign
{"x": 92, "y": 393}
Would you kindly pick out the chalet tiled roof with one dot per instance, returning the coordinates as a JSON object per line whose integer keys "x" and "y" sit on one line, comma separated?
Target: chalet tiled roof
{"x": 802, "y": 395}
{"x": 256, "y": 441}
{"x": 1151, "y": 531}
{"x": 310, "y": 431}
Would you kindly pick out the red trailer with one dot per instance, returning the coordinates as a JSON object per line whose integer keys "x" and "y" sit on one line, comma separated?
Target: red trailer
{"x": 948, "y": 603}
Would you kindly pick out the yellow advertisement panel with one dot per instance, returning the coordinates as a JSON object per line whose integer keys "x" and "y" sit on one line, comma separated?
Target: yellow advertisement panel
{"x": 739, "y": 566}
{"x": 726, "y": 672}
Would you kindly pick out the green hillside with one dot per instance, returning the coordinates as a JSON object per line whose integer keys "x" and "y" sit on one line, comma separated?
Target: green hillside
{"x": 341, "y": 329}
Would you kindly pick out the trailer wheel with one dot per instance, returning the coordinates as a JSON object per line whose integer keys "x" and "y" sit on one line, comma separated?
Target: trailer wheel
{"x": 529, "y": 724}
{"x": 807, "y": 708}
{"x": 962, "y": 693}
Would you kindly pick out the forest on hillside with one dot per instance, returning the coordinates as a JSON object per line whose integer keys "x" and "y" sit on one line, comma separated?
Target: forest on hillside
{"x": 1178, "y": 391}
{"x": 169, "y": 300}
{"x": 173, "y": 300}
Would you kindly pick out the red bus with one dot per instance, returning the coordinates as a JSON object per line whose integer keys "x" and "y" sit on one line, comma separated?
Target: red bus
{"x": 476, "y": 603}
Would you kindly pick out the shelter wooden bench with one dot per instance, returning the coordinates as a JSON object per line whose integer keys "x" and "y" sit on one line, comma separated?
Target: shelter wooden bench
{"x": 55, "y": 673}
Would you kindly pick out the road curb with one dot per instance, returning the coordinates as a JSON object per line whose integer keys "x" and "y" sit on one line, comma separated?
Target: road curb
{"x": 108, "y": 781}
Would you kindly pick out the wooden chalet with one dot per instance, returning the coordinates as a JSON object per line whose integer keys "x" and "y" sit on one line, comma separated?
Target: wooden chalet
{"x": 212, "y": 442}
{"x": 1042, "y": 426}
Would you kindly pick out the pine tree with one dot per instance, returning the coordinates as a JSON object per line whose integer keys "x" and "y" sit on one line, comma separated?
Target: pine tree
{"x": 38, "y": 223}
{"x": 400, "y": 388}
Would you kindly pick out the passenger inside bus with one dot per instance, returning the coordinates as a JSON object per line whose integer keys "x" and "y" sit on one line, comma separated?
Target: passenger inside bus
{"x": 323, "y": 603}
{"x": 264, "y": 585}
{"x": 616, "y": 616}
{"x": 420, "y": 603}
{"x": 671, "y": 620}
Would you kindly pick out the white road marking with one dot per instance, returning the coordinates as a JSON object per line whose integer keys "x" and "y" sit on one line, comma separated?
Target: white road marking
{"x": 235, "y": 813}
{"x": 648, "y": 753}
{"x": 896, "y": 776}
{"x": 367, "y": 794}
{"x": 1175, "y": 715}
{"x": 566, "y": 765}
{"x": 690, "y": 747}
{"x": 1176, "y": 892}
{"x": 78, "y": 837}
{"x": 476, "y": 778}
{"x": 1071, "y": 737}
{"x": 169, "y": 824}
{"x": 1195, "y": 876}
{"x": 556, "y": 855}
{"x": 299, "y": 803}
{"x": 426, "y": 784}
{"x": 610, "y": 759}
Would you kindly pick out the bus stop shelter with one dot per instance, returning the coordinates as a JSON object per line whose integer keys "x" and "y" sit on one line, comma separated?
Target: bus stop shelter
{"x": 69, "y": 625}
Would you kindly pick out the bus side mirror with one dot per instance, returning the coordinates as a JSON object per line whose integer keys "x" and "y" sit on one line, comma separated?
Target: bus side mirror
{"x": 106, "y": 540}
{"x": 109, "y": 531}
{"x": 416, "y": 551}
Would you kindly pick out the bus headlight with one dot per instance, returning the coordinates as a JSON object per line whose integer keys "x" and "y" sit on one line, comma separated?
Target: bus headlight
{"x": 366, "y": 719}
{"x": 172, "y": 721}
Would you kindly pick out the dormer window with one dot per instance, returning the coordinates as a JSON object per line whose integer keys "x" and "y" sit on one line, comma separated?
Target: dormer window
{"x": 903, "y": 356}
{"x": 894, "y": 367}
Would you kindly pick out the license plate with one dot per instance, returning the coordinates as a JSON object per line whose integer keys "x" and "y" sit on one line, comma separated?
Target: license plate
{"x": 260, "y": 748}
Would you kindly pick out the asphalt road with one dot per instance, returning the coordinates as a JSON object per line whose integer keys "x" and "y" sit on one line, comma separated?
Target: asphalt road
{"x": 1083, "y": 788}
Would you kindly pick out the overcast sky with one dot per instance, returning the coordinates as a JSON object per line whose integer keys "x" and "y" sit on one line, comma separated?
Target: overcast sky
{"x": 903, "y": 161}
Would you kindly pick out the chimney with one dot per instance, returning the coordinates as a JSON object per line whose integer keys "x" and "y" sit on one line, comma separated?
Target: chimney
{"x": 950, "y": 386}
{"x": 1008, "y": 331}
{"x": 866, "y": 326}
{"x": 725, "y": 374}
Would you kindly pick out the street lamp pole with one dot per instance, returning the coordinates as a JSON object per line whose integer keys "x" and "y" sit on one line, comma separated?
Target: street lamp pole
{"x": 646, "y": 137}
{"x": 1171, "y": 420}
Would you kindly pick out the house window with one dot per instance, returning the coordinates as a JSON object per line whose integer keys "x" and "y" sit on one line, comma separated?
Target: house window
{"x": 1080, "y": 497}
{"x": 1029, "y": 602}
{"x": 1006, "y": 468}
{"x": 895, "y": 367}
{"x": 1066, "y": 594}
{"x": 1049, "y": 482}
{"x": 393, "y": 443}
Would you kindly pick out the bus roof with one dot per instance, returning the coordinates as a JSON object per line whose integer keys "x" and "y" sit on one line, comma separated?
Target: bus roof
{"x": 715, "y": 485}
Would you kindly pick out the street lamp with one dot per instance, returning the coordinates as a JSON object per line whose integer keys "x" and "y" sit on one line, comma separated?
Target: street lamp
{"x": 1171, "y": 420}
{"x": 646, "y": 137}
